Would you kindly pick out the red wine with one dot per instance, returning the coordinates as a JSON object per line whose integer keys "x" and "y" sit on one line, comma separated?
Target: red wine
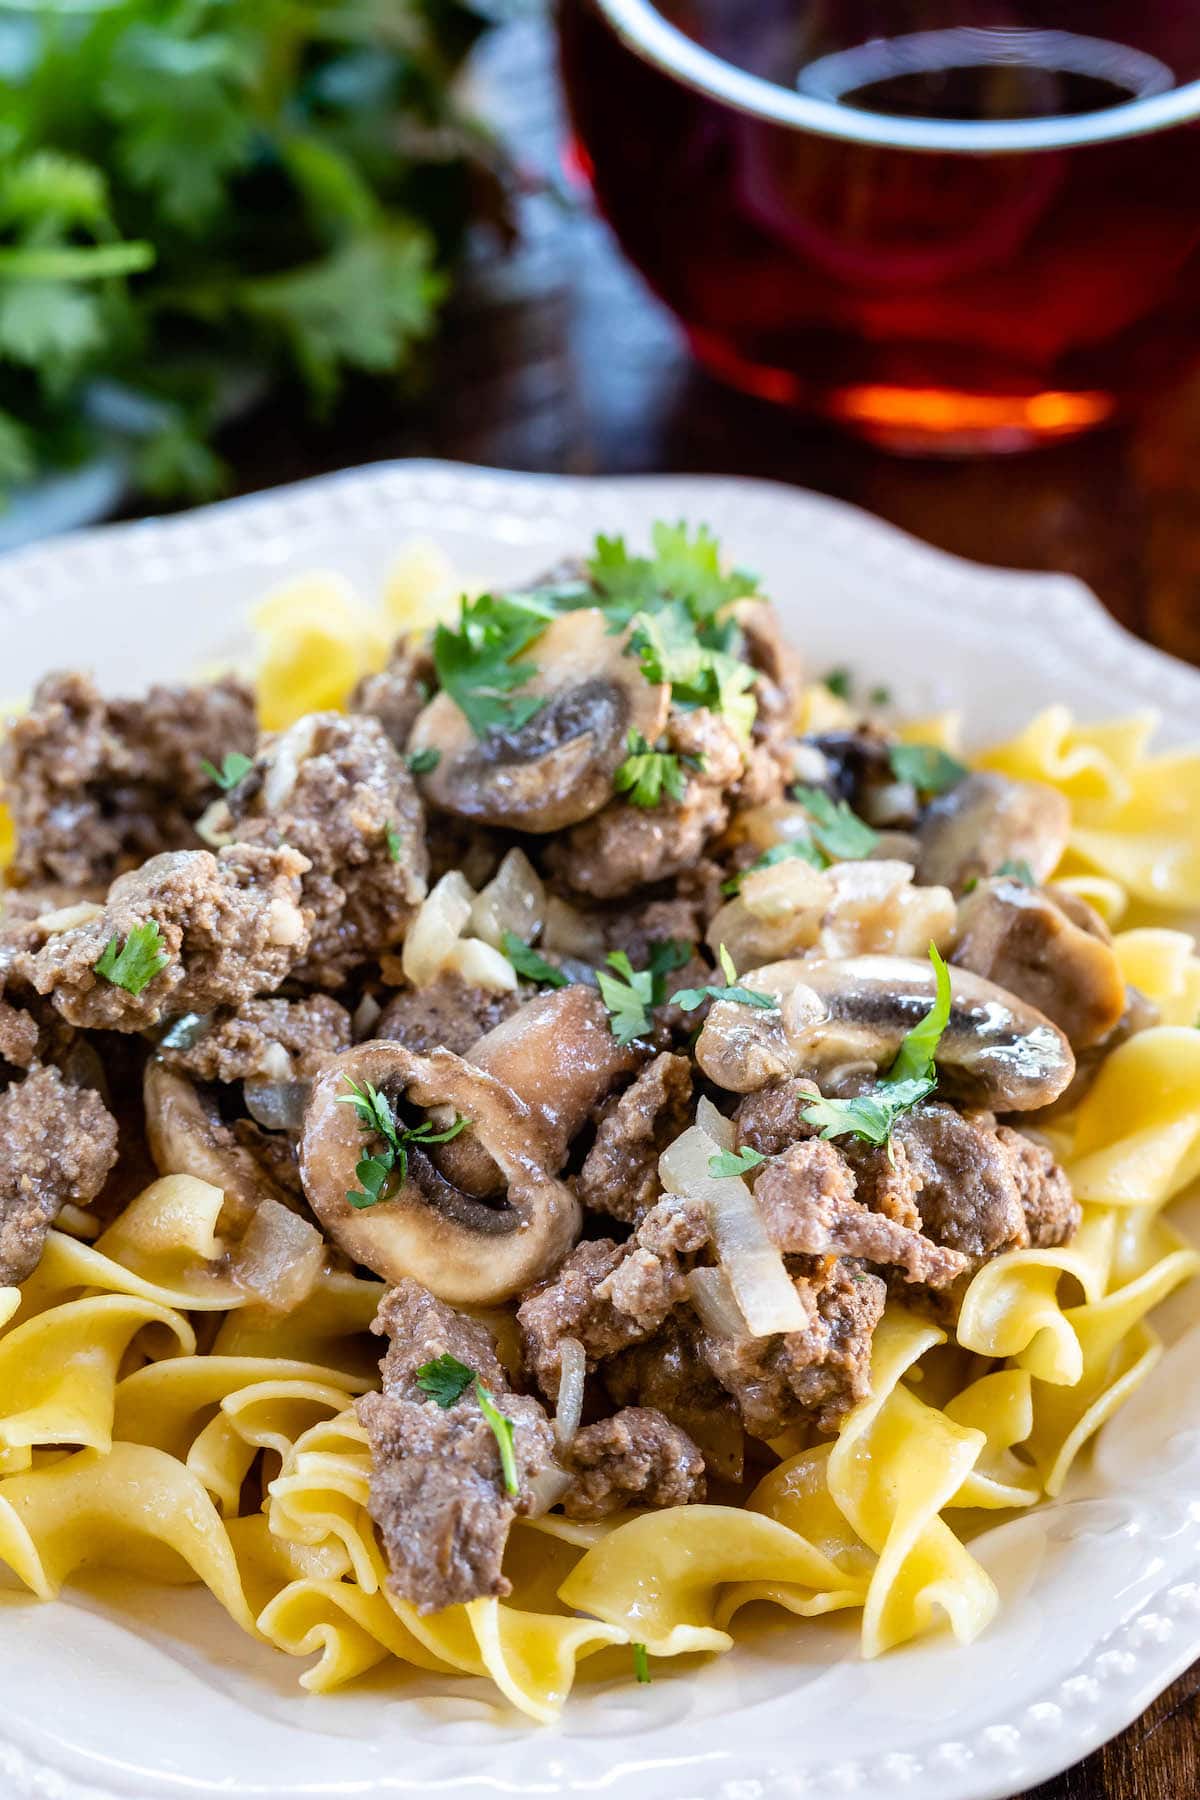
{"x": 932, "y": 298}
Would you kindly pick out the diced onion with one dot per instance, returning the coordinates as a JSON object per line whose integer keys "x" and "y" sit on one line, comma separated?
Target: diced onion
{"x": 366, "y": 1017}
{"x": 570, "y": 932}
{"x": 439, "y": 924}
{"x": 292, "y": 748}
{"x": 481, "y": 966}
{"x": 67, "y": 918}
{"x": 712, "y": 1120}
{"x": 712, "y": 1297}
{"x": 277, "y": 1105}
{"x": 546, "y": 1489}
{"x": 761, "y": 1285}
{"x": 572, "y": 1376}
{"x": 513, "y": 900}
{"x": 279, "y": 1257}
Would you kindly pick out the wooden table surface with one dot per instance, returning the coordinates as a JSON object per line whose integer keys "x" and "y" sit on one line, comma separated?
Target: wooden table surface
{"x": 555, "y": 358}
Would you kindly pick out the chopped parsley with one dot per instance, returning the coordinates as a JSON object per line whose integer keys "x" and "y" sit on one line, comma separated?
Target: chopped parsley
{"x": 134, "y": 964}
{"x": 528, "y": 963}
{"x": 641, "y": 1664}
{"x": 880, "y": 696}
{"x": 646, "y": 774}
{"x": 840, "y": 833}
{"x": 926, "y": 767}
{"x": 911, "y": 1078}
{"x": 446, "y": 1380}
{"x": 395, "y": 844}
{"x": 423, "y": 762}
{"x": 376, "y": 1117}
{"x": 235, "y": 768}
{"x": 734, "y": 1162}
{"x": 684, "y": 569}
{"x": 840, "y": 683}
{"x": 476, "y": 664}
{"x": 799, "y": 848}
{"x": 696, "y": 663}
{"x": 1018, "y": 871}
{"x": 630, "y": 994}
{"x": 690, "y": 998}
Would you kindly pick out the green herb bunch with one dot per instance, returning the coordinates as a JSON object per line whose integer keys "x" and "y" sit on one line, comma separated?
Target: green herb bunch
{"x": 200, "y": 195}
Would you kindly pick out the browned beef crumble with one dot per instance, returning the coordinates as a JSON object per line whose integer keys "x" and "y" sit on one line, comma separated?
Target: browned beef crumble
{"x": 437, "y": 1493}
{"x": 449, "y": 1012}
{"x": 396, "y": 695}
{"x": 637, "y": 1456}
{"x": 669, "y": 1373}
{"x": 57, "y": 1145}
{"x": 337, "y": 790}
{"x": 96, "y": 786}
{"x": 275, "y": 1039}
{"x": 984, "y": 1189}
{"x": 232, "y": 926}
{"x": 772, "y": 1117}
{"x": 620, "y": 1172}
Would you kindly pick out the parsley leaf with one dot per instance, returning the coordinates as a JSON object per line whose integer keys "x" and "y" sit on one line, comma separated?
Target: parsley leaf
{"x": 840, "y": 833}
{"x": 502, "y": 1431}
{"x": 137, "y": 961}
{"x": 666, "y": 955}
{"x": 234, "y": 769}
{"x": 929, "y": 769}
{"x": 377, "y": 1119}
{"x": 802, "y": 849}
{"x": 671, "y": 649}
{"x": 528, "y": 963}
{"x": 683, "y": 569}
{"x": 914, "y": 1059}
{"x": 690, "y": 998}
{"x": 840, "y": 682}
{"x": 445, "y": 1379}
{"x": 395, "y": 844}
{"x": 1018, "y": 871}
{"x": 475, "y": 663}
{"x": 734, "y": 1162}
{"x": 641, "y": 1664}
{"x": 628, "y": 998}
{"x": 646, "y": 774}
{"x": 423, "y": 762}
{"x": 880, "y": 696}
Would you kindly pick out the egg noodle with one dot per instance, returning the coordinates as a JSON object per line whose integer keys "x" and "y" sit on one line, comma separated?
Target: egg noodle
{"x": 139, "y": 1384}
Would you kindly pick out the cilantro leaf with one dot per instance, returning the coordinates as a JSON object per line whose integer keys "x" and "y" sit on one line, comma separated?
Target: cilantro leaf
{"x": 445, "y": 1379}
{"x": 423, "y": 762}
{"x": 801, "y": 849}
{"x": 528, "y": 963}
{"x": 734, "y": 1162}
{"x": 475, "y": 663}
{"x": 234, "y": 769}
{"x": 840, "y": 833}
{"x": 646, "y": 774}
{"x": 502, "y": 1431}
{"x": 1018, "y": 871}
{"x": 928, "y": 768}
{"x": 628, "y": 995}
{"x": 134, "y": 964}
{"x": 690, "y": 998}
{"x": 641, "y": 1664}
{"x": 915, "y": 1057}
{"x": 377, "y": 1119}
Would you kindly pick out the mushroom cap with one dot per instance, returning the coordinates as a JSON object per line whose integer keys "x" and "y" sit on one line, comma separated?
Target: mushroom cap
{"x": 559, "y": 767}
{"x": 186, "y": 1136}
{"x": 464, "y": 1250}
{"x": 988, "y": 820}
{"x": 840, "y": 1016}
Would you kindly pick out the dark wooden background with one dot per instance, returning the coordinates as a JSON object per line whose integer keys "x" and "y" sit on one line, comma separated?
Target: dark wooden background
{"x": 555, "y": 358}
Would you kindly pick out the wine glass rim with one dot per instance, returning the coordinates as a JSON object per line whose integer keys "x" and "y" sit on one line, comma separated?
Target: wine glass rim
{"x": 652, "y": 37}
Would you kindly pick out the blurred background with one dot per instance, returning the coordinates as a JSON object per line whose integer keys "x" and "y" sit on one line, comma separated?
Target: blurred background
{"x": 316, "y": 301}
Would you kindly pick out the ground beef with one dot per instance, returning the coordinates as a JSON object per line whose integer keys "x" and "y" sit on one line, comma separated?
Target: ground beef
{"x": 772, "y": 1117}
{"x": 637, "y": 929}
{"x": 625, "y": 847}
{"x": 232, "y": 926}
{"x": 448, "y": 1013}
{"x": 984, "y": 1190}
{"x": 620, "y": 1173}
{"x": 636, "y": 1458}
{"x": 397, "y": 694}
{"x": 779, "y": 667}
{"x": 437, "y": 1492}
{"x": 813, "y": 1375}
{"x": 57, "y": 1144}
{"x": 277, "y": 1040}
{"x": 668, "y": 1372}
{"x": 95, "y": 786}
{"x": 612, "y": 1295}
{"x": 335, "y": 789}
{"x": 807, "y": 1198}
{"x": 18, "y": 1035}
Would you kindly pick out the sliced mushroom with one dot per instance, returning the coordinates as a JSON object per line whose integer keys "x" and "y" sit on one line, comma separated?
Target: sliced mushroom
{"x": 558, "y": 1055}
{"x": 464, "y": 1250}
{"x": 839, "y": 1018}
{"x": 1022, "y": 939}
{"x": 558, "y": 768}
{"x": 987, "y": 821}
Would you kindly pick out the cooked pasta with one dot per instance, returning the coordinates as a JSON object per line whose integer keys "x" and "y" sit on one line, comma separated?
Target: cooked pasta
{"x": 383, "y": 1010}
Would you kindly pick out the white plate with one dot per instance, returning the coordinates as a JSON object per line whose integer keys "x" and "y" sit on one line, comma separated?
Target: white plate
{"x": 146, "y": 1693}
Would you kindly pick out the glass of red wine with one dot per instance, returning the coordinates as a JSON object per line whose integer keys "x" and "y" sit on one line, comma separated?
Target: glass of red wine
{"x": 949, "y": 225}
